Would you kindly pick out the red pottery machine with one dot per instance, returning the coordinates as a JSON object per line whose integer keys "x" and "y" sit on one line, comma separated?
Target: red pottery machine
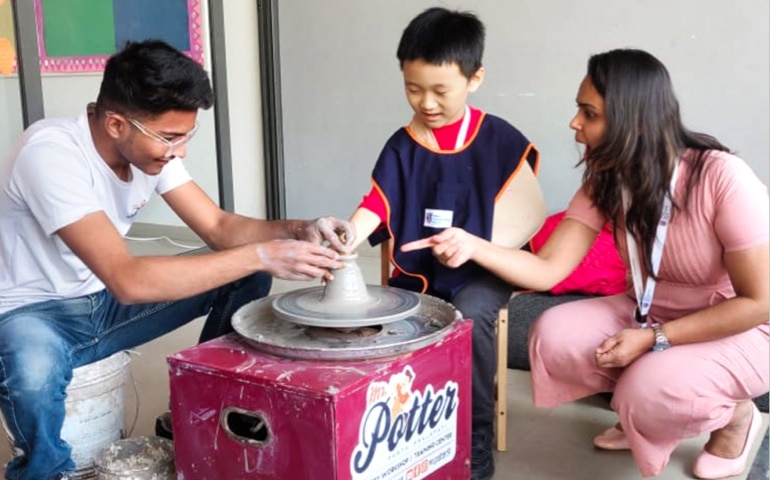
{"x": 345, "y": 381}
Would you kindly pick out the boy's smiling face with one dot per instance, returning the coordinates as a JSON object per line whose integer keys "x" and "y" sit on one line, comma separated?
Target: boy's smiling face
{"x": 438, "y": 93}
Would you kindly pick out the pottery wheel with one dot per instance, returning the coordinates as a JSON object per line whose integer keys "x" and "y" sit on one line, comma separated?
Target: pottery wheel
{"x": 344, "y": 319}
{"x": 383, "y": 305}
{"x": 258, "y": 325}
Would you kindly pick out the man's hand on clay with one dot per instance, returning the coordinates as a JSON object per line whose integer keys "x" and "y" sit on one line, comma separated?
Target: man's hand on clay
{"x": 339, "y": 233}
{"x": 298, "y": 260}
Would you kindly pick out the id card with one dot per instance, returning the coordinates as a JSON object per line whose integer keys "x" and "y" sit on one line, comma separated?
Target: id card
{"x": 438, "y": 218}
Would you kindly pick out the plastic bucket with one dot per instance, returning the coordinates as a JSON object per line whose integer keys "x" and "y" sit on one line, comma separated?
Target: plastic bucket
{"x": 138, "y": 458}
{"x": 95, "y": 410}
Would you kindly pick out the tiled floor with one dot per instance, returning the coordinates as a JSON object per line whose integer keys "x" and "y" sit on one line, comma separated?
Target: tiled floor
{"x": 553, "y": 444}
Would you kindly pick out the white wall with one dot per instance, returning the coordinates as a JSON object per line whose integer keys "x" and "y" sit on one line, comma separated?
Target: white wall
{"x": 245, "y": 106}
{"x": 11, "y": 123}
{"x": 718, "y": 55}
{"x": 343, "y": 94}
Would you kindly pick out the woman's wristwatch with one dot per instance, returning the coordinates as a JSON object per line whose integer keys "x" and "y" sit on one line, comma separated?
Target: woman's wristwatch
{"x": 661, "y": 341}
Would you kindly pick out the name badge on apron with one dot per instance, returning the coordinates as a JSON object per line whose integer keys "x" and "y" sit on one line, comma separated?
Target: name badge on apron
{"x": 438, "y": 218}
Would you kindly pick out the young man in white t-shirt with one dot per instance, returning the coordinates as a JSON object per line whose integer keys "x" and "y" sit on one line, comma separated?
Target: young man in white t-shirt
{"x": 70, "y": 291}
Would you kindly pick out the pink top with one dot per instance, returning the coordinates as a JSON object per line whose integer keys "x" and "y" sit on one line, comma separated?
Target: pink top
{"x": 728, "y": 211}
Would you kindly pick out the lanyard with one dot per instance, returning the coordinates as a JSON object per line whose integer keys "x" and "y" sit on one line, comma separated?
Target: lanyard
{"x": 644, "y": 298}
{"x": 463, "y": 128}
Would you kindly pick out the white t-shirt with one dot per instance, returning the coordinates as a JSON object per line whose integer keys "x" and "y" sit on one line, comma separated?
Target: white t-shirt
{"x": 55, "y": 177}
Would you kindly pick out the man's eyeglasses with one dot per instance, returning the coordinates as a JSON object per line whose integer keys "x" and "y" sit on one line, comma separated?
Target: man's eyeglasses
{"x": 170, "y": 144}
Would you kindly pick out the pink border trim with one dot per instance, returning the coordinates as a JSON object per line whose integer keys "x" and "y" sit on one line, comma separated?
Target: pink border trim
{"x": 95, "y": 63}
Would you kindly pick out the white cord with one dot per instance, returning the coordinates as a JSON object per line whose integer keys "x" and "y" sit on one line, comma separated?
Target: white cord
{"x": 172, "y": 242}
{"x": 136, "y": 394}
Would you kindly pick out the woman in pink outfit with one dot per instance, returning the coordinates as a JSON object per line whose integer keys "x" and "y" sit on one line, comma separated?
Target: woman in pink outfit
{"x": 685, "y": 349}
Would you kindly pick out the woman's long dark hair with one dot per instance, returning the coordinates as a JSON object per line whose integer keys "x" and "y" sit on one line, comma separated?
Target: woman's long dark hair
{"x": 643, "y": 137}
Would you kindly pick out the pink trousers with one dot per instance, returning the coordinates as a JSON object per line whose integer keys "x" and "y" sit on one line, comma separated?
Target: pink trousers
{"x": 661, "y": 398}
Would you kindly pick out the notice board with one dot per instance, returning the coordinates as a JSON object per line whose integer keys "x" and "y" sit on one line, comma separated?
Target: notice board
{"x": 79, "y": 35}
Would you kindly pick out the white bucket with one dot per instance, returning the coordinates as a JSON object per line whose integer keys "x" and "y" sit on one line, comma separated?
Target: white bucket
{"x": 94, "y": 410}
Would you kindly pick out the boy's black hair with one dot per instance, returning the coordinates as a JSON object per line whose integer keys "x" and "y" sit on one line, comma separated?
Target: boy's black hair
{"x": 151, "y": 77}
{"x": 440, "y": 36}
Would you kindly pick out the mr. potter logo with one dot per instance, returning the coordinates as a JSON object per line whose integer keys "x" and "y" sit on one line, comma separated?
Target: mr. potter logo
{"x": 405, "y": 434}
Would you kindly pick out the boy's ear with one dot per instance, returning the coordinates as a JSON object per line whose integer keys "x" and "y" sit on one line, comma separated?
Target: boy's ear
{"x": 476, "y": 80}
{"x": 114, "y": 126}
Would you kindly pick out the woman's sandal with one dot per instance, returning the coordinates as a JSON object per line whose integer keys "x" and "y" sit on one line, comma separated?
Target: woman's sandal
{"x": 612, "y": 439}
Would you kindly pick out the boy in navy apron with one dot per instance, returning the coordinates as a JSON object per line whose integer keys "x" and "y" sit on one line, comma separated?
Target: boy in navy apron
{"x": 453, "y": 166}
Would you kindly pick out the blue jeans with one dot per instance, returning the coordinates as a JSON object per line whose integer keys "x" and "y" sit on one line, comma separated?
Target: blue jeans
{"x": 40, "y": 345}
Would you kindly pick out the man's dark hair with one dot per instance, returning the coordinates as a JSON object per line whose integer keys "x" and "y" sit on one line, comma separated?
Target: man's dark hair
{"x": 152, "y": 77}
{"x": 440, "y": 36}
